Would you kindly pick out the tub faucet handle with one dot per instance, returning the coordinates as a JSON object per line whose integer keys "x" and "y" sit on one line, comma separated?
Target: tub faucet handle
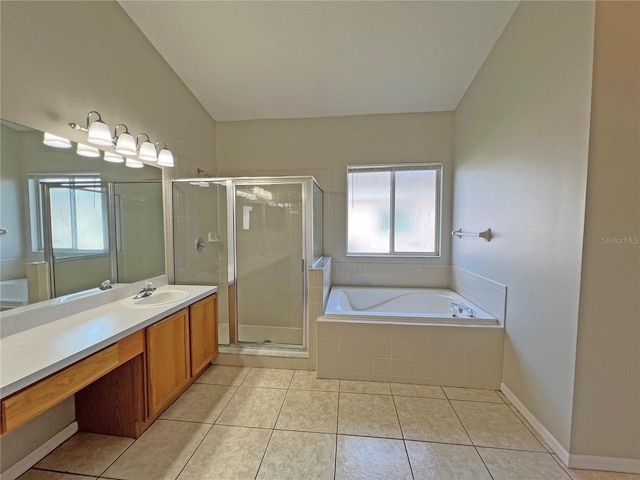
{"x": 106, "y": 285}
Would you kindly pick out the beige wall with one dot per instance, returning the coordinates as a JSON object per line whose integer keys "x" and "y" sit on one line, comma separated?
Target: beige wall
{"x": 607, "y": 387}
{"x": 521, "y": 150}
{"x": 62, "y": 59}
{"x": 323, "y": 147}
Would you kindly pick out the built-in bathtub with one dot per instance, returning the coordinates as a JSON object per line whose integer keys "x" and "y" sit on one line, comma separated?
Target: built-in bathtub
{"x": 409, "y": 336}
{"x": 13, "y": 293}
{"x": 404, "y": 305}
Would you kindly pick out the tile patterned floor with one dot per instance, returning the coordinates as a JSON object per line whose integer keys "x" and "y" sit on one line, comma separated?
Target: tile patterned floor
{"x": 256, "y": 423}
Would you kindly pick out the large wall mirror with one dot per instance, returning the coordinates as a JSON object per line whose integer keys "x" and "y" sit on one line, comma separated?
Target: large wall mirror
{"x": 69, "y": 222}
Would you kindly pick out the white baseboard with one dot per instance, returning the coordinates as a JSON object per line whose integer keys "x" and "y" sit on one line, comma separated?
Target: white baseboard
{"x": 39, "y": 453}
{"x": 586, "y": 462}
{"x": 611, "y": 464}
{"x": 550, "y": 440}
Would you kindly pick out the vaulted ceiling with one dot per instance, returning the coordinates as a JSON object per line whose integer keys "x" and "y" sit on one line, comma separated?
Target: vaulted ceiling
{"x": 254, "y": 60}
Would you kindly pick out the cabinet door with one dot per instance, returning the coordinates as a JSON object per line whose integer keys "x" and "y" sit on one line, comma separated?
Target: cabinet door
{"x": 168, "y": 366}
{"x": 203, "y": 319}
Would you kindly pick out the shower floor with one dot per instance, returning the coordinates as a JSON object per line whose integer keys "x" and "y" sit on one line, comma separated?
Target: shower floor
{"x": 269, "y": 335}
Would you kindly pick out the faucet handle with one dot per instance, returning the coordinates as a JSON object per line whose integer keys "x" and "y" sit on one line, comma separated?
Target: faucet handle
{"x": 106, "y": 285}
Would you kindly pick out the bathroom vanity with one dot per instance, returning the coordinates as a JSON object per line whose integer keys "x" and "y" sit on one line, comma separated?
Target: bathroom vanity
{"x": 124, "y": 363}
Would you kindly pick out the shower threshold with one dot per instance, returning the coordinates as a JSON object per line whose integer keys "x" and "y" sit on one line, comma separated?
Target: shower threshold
{"x": 265, "y": 350}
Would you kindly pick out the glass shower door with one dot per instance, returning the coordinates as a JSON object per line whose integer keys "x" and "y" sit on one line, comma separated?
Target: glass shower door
{"x": 269, "y": 263}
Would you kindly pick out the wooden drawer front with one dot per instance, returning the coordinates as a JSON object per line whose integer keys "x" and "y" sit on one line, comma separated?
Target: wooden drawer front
{"x": 36, "y": 399}
{"x": 131, "y": 346}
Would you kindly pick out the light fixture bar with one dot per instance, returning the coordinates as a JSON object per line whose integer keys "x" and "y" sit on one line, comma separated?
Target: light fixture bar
{"x": 98, "y": 133}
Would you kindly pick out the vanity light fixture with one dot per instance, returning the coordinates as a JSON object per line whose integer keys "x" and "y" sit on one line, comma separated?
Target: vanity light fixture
{"x": 165, "y": 157}
{"x": 124, "y": 143}
{"x": 98, "y": 131}
{"x": 87, "y": 151}
{"x": 131, "y": 163}
{"x": 113, "y": 158}
{"x": 52, "y": 140}
{"x": 147, "y": 151}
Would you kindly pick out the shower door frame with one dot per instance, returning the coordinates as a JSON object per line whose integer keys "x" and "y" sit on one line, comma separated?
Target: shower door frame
{"x": 306, "y": 183}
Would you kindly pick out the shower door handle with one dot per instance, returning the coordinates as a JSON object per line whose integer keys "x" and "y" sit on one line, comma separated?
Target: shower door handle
{"x": 303, "y": 265}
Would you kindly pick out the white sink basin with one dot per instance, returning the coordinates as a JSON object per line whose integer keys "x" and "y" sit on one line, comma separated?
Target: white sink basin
{"x": 161, "y": 297}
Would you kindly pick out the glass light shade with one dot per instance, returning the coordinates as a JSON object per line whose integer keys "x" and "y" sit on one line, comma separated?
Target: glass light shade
{"x": 87, "y": 151}
{"x": 165, "y": 158}
{"x": 112, "y": 157}
{"x": 99, "y": 134}
{"x": 126, "y": 145}
{"x": 52, "y": 140}
{"x": 148, "y": 152}
{"x": 131, "y": 163}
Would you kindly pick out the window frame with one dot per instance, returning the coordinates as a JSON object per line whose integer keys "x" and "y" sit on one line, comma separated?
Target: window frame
{"x": 37, "y": 181}
{"x": 392, "y": 168}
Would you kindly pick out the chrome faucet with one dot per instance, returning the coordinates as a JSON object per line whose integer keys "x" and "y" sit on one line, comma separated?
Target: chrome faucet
{"x": 106, "y": 285}
{"x": 147, "y": 290}
{"x": 458, "y": 308}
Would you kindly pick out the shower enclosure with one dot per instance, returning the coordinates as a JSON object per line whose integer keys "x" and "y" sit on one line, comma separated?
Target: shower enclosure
{"x": 254, "y": 238}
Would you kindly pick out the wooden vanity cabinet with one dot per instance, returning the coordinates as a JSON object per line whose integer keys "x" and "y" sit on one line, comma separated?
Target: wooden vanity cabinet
{"x": 179, "y": 348}
{"x": 168, "y": 365}
{"x": 123, "y": 388}
{"x": 203, "y": 333}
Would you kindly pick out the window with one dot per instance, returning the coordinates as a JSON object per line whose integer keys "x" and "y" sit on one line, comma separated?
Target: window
{"x": 394, "y": 210}
{"x": 78, "y": 213}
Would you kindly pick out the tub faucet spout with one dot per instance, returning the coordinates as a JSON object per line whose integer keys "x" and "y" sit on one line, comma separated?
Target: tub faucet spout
{"x": 458, "y": 308}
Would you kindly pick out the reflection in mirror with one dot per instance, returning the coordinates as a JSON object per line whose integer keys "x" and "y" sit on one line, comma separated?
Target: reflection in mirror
{"x": 69, "y": 222}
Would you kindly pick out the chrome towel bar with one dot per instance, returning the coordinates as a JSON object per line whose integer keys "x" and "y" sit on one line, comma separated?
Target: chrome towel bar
{"x": 486, "y": 234}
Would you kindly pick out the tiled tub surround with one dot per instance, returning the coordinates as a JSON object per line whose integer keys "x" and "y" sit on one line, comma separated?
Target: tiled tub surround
{"x": 489, "y": 295}
{"x": 246, "y": 423}
{"x": 451, "y": 355}
{"x": 455, "y": 355}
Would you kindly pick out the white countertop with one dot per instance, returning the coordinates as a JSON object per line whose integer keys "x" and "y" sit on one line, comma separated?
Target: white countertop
{"x": 36, "y": 353}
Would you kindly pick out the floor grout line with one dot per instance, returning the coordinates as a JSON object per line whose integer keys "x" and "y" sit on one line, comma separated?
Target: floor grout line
{"x": 404, "y": 439}
{"x": 335, "y": 448}
{"x": 273, "y": 428}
